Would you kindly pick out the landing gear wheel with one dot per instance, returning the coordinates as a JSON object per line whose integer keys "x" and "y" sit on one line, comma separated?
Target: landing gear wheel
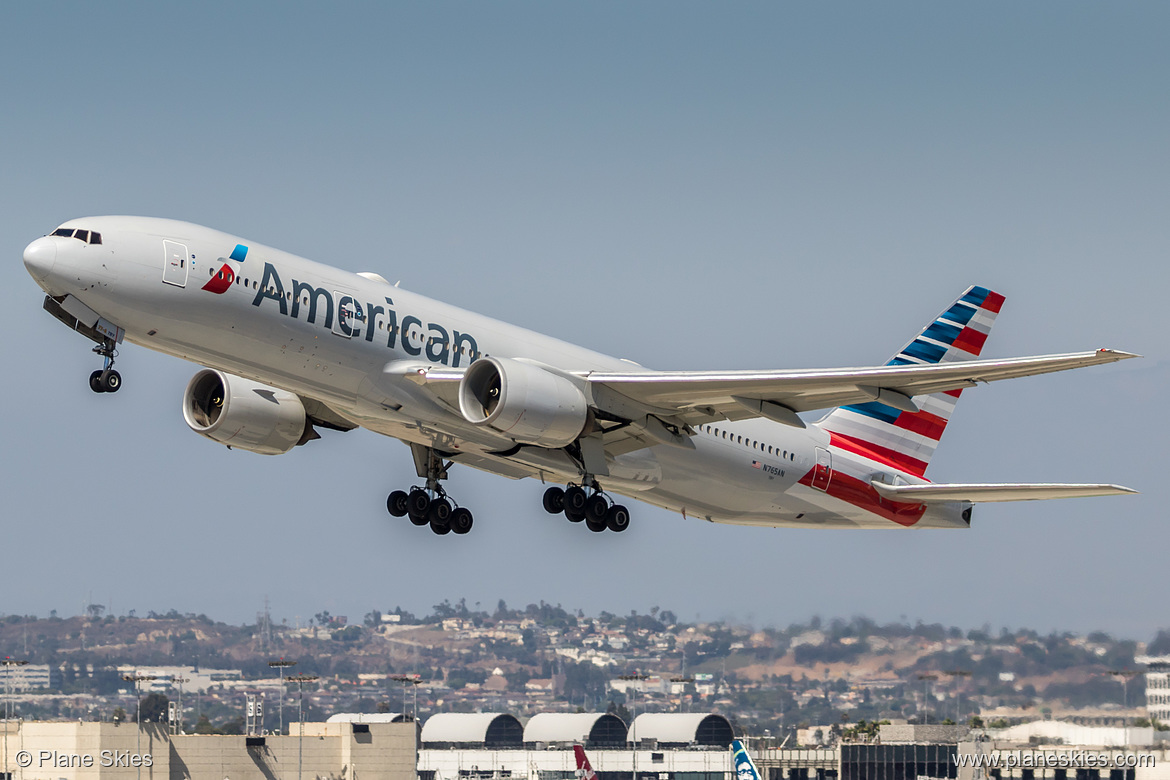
{"x": 596, "y": 508}
{"x": 439, "y": 512}
{"x": 575, "y": 500}
{"x": 440, "y": 528}
{"x": 461, "y": 520}
{"x": 95, "y": 382}
{"x": 617, "y": 519}
{"x": 396, "y": 503}
{"x": 554, "y": 500}
{"x": 417, "y": 504}
{"x": 596, "y": 526}
{"x": 111, "y": 381}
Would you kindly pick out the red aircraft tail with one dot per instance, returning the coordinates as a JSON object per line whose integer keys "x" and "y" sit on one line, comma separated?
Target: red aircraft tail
{"x": 584, "y": 771}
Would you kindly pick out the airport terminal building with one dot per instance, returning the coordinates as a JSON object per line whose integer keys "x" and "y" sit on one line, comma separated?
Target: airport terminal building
{"x": 497, "y": 746}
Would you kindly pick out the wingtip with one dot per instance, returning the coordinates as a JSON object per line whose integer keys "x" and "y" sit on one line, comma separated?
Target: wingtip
{"x": 1117, "y": 354}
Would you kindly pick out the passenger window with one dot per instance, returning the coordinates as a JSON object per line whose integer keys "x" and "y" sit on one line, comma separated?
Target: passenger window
{"x": 82, "y": 234}
{"x": 95, "y": 238}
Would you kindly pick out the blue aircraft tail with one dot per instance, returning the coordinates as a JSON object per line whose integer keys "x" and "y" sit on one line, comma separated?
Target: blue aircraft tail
{"x": 745, "y": 768}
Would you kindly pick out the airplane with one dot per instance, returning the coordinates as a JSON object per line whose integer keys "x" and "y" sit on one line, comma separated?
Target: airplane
{"x": 584, "y": 770}
{"x": 290, "y": 347}
{"x": 745, "y": 768}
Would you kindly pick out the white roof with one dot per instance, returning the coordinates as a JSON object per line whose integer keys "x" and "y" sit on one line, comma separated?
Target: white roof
{"x": 561, "y": 726}
{"x": 678, "y": 727}
{"x": 365, "y": 717}
{"x": 460, "y": 726}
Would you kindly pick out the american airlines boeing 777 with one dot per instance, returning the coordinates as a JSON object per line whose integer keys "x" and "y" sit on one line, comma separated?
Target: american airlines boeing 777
{"x": 291, "y": 346}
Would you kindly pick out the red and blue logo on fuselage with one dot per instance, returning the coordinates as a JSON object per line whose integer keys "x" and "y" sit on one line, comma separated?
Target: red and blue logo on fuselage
{"x": 225, "y": 277}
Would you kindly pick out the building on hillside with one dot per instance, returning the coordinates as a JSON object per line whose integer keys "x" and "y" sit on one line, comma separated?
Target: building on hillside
{"x": 1157, "y": 685}
{"x": 29, "y": 677}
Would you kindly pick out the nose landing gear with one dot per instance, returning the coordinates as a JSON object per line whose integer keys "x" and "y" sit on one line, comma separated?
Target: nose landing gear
{"x": 107, "y": 380}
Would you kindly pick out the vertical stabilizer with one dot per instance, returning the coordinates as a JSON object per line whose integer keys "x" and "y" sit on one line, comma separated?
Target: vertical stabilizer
{"x": 745, "y": 768}
{"x": 907, "y": 440}
{"x": 584, "y": 770}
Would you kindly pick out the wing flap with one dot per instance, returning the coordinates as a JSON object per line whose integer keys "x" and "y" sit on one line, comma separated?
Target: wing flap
{"x": 982, "y": 492}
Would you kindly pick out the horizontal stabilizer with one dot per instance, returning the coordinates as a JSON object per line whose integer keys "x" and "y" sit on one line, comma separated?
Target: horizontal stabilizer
{"x": 978, "y": 493}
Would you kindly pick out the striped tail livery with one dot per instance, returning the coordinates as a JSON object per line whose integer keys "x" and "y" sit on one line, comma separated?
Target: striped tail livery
{"x": 904, "y": 438}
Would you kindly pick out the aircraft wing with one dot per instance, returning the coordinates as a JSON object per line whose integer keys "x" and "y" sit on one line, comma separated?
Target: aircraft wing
{"x": 978, "y": 493}
{"x": 705, "y": 396}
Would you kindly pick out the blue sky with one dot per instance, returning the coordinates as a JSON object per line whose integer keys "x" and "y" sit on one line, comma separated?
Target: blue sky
{"x": 687, "y": 185}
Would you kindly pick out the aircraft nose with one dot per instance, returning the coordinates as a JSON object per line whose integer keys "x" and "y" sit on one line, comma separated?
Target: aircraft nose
{"x": 39, "y": 257}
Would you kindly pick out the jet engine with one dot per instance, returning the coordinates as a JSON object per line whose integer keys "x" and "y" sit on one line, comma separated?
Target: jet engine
{"x": 525, "y": 402}
{"x": 241, "y": 413}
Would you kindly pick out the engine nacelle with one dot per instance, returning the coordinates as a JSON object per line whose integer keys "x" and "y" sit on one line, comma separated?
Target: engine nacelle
{"x": 525, "y": 402}
{"x": 241, "y": 413}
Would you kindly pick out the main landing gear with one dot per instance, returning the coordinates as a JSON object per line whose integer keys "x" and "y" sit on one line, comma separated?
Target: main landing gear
{"x": 430, "y": 505}
{"x": 596, "y": 509}
{"x": 107, "y": 380}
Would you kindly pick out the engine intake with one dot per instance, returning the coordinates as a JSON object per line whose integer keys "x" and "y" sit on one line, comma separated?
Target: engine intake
{"x": 525, "y": 402}
{"x": 241, "y": 413}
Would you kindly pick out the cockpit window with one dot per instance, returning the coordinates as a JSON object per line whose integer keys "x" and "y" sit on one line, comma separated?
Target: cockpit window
{"x": 86, "y": 236}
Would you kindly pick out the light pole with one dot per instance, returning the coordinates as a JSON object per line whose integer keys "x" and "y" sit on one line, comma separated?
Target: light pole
{"x": 8, "y": 664}
{"x": 636, "y": 679}
{"x": 926, "y": 678}
{"x": 281, "y": 665}
{"x": 1124, "y": 675}
{"x": 411, "y": 680}
{"x": 178, "y": 726}
{"x": 953, "y": 673}
{"x": 138, "y": 679}
{"x": 685, "y": 681}
{"x": 300, "y": 680}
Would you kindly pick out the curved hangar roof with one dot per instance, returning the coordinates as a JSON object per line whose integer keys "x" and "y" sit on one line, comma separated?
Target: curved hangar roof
{"x": 479, "y": 729}
{"x": 682, "y": 728}
{"x": 593, "y": 729}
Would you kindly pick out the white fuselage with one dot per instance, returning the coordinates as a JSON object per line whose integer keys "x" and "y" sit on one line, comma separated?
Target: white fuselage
{"x": 753, "y": 472}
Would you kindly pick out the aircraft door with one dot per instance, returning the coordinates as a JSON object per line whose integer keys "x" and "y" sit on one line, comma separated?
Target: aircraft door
{"x": 176, "y": 263}
{"x": 349, "y": 319}
{"x": 823, "y": 470}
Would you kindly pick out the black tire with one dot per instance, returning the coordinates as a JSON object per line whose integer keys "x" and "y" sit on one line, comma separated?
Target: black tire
{"x": 396, "y": 503}
{"x": 461, "y": 520}
{"x": 417, "y": 504}
{"x": 596, "y": 526}
{"x": 554, "y": 500}
{"x": 575, "y": 500}
{"x": 440, "y": 528}
{"x": 617, "y": 519}
{"x": 439, "y": 512}
{"x": 95, "y": 382}
{"x": 111, "y": 381}
{"x": 596, "y": 508}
